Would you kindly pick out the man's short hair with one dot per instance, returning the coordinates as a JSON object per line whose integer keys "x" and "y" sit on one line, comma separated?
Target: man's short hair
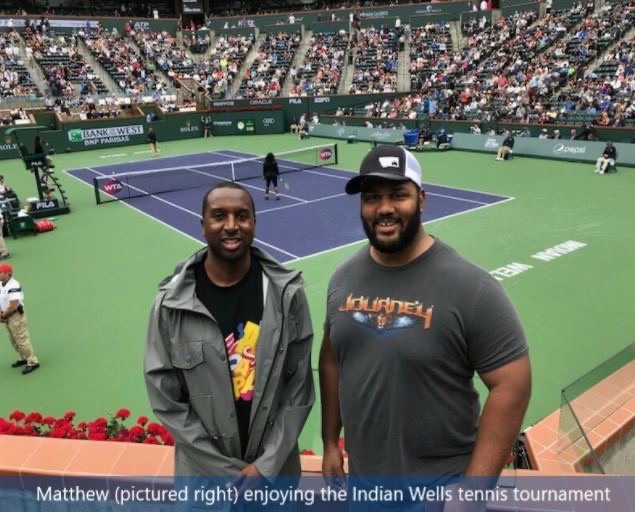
{"x": 232, "y": 185}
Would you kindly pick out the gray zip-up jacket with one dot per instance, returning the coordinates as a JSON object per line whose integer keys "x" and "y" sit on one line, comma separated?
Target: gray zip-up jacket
{"x": 190, "y": 388}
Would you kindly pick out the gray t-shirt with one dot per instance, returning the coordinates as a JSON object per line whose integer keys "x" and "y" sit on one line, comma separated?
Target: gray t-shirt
{"x": 408, "y": 340}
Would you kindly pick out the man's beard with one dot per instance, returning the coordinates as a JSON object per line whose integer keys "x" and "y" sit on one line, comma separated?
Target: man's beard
{"x": 405, "y": 238}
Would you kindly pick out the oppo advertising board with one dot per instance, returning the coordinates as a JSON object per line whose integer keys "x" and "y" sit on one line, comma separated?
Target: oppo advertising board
{"x": 566, "y": 150}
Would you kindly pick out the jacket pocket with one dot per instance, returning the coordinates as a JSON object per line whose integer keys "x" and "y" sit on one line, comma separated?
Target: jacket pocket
{"x": 187, "y": 355}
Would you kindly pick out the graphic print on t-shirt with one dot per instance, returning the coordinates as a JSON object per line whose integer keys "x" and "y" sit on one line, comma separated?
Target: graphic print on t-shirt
{"x": 241, "y": 351}
{"x": 386, "y": 314}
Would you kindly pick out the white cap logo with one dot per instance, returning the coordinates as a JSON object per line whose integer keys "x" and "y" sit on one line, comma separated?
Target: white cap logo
{"x": 389, "y": 162}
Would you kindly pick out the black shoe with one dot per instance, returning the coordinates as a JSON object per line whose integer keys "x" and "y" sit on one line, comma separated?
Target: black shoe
{"x": 5, "y": 256}
{"x": 30, "y": 368}
{"x": 19, "y": 363}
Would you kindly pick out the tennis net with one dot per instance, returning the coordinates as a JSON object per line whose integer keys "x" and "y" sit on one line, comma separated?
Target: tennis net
{"x": 143, "y": 183}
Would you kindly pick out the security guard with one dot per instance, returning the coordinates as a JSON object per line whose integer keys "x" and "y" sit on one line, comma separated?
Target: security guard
{"x": 12, "y": 314}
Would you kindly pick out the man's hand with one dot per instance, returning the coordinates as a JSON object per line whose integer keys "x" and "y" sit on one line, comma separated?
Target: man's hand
{"x": 333, "y": 465}
{"x": 248, "y": 478}
{"x": 250, "y": 471}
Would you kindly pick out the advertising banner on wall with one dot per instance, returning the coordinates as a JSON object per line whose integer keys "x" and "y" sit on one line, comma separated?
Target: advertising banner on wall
{"x": 100, "y": 136}
{"x": 566, "y": 150}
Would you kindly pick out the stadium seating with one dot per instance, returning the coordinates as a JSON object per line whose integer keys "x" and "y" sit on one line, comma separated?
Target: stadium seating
{"x": 118, "y": 57}
{"x": 376, "y": 61}
{"x": 15, "y": 80}
{"x": 322, "y": 68}
{"x": 267, "y": 74}
{"x": 217, "y": 73}
{"x": 161, "y": 48}
{"x": 63, "y": 65}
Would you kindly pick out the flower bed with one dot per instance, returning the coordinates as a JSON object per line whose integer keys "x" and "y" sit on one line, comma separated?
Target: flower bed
{"x": 100, "y": 429}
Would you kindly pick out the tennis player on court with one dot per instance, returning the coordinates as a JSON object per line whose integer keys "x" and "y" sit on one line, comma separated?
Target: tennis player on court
{"x": 270, "y": 172}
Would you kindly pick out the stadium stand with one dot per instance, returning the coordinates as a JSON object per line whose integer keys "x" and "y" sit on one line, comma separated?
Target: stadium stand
{"x": 523, "y": 69}
{"x": 217, "y": 72}
{"x": 267, "y": 74}
{"x": 197, "y": 43}
{"x": 15, "y": 80}
{"x": 117, "y": 56}
{"x": 161, "y": 48}
{"x": 427, "y": 44}
{"x": 376, "y": 58}
{"x": 321, "y": 71}
{"x": 63, "y": 65}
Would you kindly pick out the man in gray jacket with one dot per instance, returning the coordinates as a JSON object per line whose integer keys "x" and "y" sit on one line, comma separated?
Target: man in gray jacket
{"x": 228, "y": 355}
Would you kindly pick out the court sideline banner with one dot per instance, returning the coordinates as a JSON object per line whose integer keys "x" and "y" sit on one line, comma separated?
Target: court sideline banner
{"x": 565, "y": 150}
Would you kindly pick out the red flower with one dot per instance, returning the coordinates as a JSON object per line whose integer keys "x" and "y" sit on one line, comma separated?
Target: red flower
{"x": 59, "y": 432}
{"x": 123, "y": 414}
{"x": 34, "y": 417}
{"x": 100, "y": 429}
{"x": 17, "y": 416}
{"x": 7, "y": 428}
{"x": 101, "y": 422}
{"x": 136, "y": 433}
{"x": 153, "y": 428}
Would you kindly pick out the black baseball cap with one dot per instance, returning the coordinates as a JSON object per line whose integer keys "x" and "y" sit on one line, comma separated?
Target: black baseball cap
{"x": 388, "y": 162}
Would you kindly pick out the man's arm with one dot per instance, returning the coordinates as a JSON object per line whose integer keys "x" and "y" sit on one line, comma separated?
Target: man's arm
{"x": 11, "y": 308}
{"x": 297, "y": 397}
{"x": 333, "y": 461}
{"x": 509, "y": 392}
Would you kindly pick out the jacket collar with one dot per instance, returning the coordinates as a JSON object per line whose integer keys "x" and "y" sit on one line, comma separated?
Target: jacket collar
{"x": 180, "y": 287}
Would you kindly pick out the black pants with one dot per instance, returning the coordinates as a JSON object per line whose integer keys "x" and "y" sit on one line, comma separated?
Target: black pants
{"x": 271, "y": 179}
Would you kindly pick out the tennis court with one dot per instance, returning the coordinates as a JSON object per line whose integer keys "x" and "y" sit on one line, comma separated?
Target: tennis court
{"x": 312, "y": 202}
{"x": 90, "y": 283}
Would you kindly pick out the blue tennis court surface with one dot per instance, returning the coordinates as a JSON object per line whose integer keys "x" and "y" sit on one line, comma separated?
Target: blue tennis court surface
{"x": 314, "y": 214}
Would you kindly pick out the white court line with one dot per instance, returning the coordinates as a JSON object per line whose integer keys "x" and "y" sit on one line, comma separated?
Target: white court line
{"x": 353, "y": 174}
{"x": 107, "y": 156}
{"x": 137, "y": 209}
{"x": 456, "y": 198}
{"x": 197, "y": 215}
{"x": 322, "y": 252}
{"x": 302, "y": 203}
{"x": 314, "y": 172}
{"x": 244, "y": 184}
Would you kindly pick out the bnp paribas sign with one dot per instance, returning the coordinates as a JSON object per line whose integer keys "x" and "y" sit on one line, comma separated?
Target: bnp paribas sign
{"x": 104, "y": 136}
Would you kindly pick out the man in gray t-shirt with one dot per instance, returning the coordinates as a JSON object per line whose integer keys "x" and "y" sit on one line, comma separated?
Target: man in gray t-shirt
{"x": 408, "y": 323}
